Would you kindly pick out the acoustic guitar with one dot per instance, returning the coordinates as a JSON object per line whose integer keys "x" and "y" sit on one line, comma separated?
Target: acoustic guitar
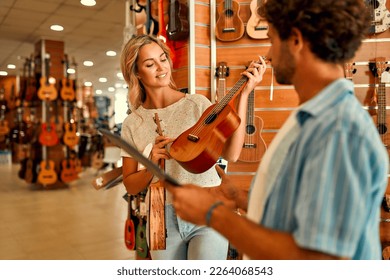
{"x": 198, "y": 148}
{"x": 156, "y": 217}
{"x": 229, "y": 26}
{"x": 13, "y": 99}
{"x": 47, "y": 90}
{"x": 48, "y": 135}
{"x": 380, "y": 16}
{"x": 67, "y": 92}
{"x": 178, "y": 25}
{"x": 68, "y": 168}
{"x": 70, "y": 137}
{"x": 256, "y": 27}
{"x": 4, "y": 128}
{"x": 254, "y": 146}
{"x": 31, "y": 84}
{"x": 47, "y": 174}
{"x": 129, "y": 227}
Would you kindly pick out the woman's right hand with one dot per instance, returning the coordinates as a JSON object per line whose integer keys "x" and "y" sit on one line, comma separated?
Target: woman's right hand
{"x": 159, "y": 151}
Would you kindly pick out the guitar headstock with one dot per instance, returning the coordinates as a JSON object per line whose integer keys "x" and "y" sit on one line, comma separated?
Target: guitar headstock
{"x": 158, "y": 123}
{"x": 222, "y": 70}
{"x": 349, "y": 70}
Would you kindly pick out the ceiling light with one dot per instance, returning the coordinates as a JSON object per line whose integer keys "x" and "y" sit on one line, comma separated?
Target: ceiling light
{"x": 11, "y": 66}
{"x": 120, "y": 75}
{"x": 88, "y": 3}
{"x": 111, "y": 89}
{"x": 56, "y": 27}
{"x": 98, "y": 91}
{"x": 103, "y": 80}
{"x": 118, "y": 85}
{"x": 71, "y": 71}
{"x": 88, "y": 63}
{"x": 3, "y": 73}
{"x": 110, "y": 53}
{"x": 88, "y": 84}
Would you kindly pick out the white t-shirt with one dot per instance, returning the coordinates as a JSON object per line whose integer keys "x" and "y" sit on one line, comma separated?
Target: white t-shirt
{"x": 139, "y": 130}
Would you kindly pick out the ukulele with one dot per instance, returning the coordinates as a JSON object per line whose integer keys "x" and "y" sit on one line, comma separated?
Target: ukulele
{"x": 47, "y": 90}
{"x": 13, "y": 99}
{"x": 380, "y": 16}
{"x": 256, "y": 27}
{"x": 140, "y": 239}
{"x": 67, "y": 87}
{"x": 222, "y": 72}
{"x": 157, "y": 207}
{"x": 162, "y": 33}
{"x": 48, "y": 136}
{"x": 178, "y": 25}
{"x": 254, "y": 146}
{"x": 29, "y": 173}
{"x": 380, "y": 70}
{"x": 47, "y": 174}
{"x": 229, "y": 26}
{"x": 129, "y": 227}
{"x": 97, "y": 152}
{"x": 198, "y": 148}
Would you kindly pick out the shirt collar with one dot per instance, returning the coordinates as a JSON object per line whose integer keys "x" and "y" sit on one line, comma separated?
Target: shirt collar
{"x": 325, "y": 99}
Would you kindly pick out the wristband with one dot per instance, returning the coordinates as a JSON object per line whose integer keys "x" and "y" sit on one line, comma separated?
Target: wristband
{"x": 210, "y": 211}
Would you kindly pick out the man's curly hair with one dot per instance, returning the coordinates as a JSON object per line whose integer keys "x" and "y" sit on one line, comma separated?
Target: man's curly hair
{"x": 334, "y": 28}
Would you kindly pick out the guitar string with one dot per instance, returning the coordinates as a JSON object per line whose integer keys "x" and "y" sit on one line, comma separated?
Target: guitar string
{"x": 218, "y": 107}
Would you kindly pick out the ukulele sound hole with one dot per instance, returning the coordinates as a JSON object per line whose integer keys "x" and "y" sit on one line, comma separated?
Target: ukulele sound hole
{"x": 382, "y": 128}
{"x": 250, "y": 129}
{"x": 229, "y": 12}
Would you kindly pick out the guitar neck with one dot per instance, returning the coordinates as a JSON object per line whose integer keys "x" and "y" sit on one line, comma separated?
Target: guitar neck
{"x": 251, "y": 108}
{"x": 230, "y": 95}
{"x": 382, "y": 104}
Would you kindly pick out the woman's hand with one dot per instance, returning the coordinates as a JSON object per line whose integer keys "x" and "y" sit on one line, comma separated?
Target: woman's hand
{"x": 159, "y": 151}
{"x": 255, "y": 73}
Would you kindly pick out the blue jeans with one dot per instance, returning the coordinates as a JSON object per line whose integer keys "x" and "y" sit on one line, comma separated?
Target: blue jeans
{"x": 186, "y": 241}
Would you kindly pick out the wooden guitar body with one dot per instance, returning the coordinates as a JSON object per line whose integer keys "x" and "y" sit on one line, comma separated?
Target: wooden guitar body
{"x": 48, "y": 136}
{"x": 4, "y": 128}
{"x": 46, "y": 90}
{"x": 70, "y": 138}
{"x": 256, "y": 26}
{"x": 178, "y": 26}
{"x": 129, "y": 226}
{"x": 254, "y": 146}
{"x": 47, "y": 174}
{"x": 156, "y": 218}
{"x": 68, "y": 171}
{"x": 229, "y": 26}
{"x": 67, "y": 92}
{"x": 198, "y": 148}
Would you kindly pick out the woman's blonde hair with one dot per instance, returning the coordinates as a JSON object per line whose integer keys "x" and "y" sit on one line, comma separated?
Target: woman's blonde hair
{"x": 129, "y": 69}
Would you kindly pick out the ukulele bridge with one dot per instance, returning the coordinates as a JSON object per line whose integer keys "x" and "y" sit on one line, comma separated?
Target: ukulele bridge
{"x": 193, "y": 138}
{"x": 250, "y": 146}
{"x": 229, "y": 29}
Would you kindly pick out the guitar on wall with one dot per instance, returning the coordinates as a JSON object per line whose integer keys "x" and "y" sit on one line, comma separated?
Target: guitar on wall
{"x": 254, "y": 146}
{"x": 47, "y": 89}
{"x": 229, "y": 26}
{"x": 380, "y": 16}
{"x": 129, "y": 226}
{"x": 48, "y": 135}
{"x": 178, "y": 25}
{"x": 4, "y": 128}
{"x": 70, "y": 137}
{"x": 31, "y": 84}
{"x": 47, "y": 174}
{"x": 67, "y": 92}
{"x": 68, "y": 168}
{"x": 162, "y": 23}
{"x": 198, "y": 148}
{"x": 221, "y": 72}
{"x": 380, "y": 70}
{"x": 256, "y": 27}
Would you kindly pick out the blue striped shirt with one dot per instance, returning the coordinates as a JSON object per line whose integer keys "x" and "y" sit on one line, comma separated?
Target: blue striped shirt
{"x": 330, "y": 186}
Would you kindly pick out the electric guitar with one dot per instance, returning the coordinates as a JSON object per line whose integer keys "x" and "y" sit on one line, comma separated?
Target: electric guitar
{"x": 198, "y": 148}
{"x": 229, "y": 26}
{"x": 222, "y": 72}
{"x": 48, "y": 136}
{"x": 47, "y": 90}
{"x": 67, "y": 87}
{"x": 178, "y": 25}
{"x": 256, "y": 27}
{"x": 380, "y": 16}
{"x": 380, "y": 71}
{"x": 254, "y": 146}
{"x": 156, "y": 217}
